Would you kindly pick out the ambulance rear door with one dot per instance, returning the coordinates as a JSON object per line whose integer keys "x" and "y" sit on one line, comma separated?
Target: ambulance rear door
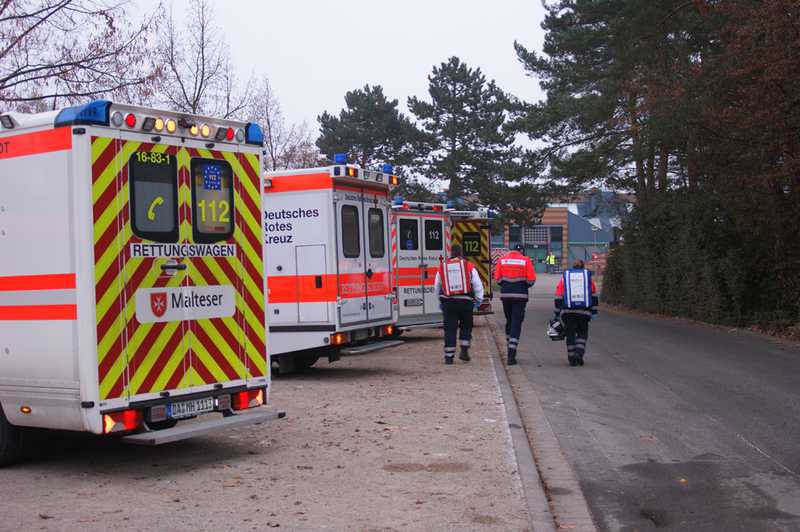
{"x": 378, "y": 261}
{"x": 409, "y": 264}
{"x": 171, "y": 301}
{"x": 433, "y": 252}
{"x": 350, "y": 224}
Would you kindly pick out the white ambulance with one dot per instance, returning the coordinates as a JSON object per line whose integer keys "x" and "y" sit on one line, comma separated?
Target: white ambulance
{"x": 131, "y": 280}
{"x": 328, "y": 262}
{"x": 420, "y": 242}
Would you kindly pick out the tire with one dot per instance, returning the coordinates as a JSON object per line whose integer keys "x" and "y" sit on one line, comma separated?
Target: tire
{"x": 10, "y": 441}
{"x": 305, "y": 361}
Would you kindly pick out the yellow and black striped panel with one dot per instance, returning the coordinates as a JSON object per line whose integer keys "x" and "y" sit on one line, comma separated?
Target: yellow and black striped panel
{"x": 136, "y": 358}
{"x": 474, "y": 238}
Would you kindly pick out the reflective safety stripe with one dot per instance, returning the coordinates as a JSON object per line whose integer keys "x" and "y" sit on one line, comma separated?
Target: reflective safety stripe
{"x": 57, "y": 139}
{"x": 294, "y": 183}
{"x": 38, "y": 297}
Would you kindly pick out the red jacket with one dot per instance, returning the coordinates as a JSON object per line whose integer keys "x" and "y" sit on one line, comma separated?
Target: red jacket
{"x": 515, "y": 274}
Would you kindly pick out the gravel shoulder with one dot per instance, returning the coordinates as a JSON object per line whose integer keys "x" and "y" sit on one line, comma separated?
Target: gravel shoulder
{"x": 392, "y": 440}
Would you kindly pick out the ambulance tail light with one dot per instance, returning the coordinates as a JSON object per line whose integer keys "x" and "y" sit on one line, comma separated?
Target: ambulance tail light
{"x": 149, "y": 123}
{"x": 406, "y": 206}
{"x": 437, "y": 208}
{"x": 248, "y": 399}
{"x": 92, "y": 113}
{"x": 339, "y": 338}
{"x": 122, "y": 421}
{"x": 388, "y": 330}
{"x": 225, "y": 133}
{"x": 253, "y": 134}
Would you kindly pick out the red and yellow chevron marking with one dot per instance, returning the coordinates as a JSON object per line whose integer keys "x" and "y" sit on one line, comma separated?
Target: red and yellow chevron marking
{"x": 136, "y": 358}
{"x": 482, "y": 262}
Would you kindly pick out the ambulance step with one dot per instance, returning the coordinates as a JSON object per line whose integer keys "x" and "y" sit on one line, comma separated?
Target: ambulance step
{"x": 192, "y": 429}
{"x": 368, "y": 348}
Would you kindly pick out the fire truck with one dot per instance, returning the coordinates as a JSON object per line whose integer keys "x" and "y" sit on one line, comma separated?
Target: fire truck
{"x": 328, "y": 264}
{"x": 131, "y": 280}
{"x": 470, "y": 230}
{"x": 420, "y": 241}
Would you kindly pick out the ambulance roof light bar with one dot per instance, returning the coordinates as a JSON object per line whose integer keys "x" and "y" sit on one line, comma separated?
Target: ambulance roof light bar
{"x": 92, "y": 113}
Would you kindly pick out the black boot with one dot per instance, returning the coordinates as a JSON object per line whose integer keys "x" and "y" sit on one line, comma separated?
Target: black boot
{"x": 573, "y": 360}
{"x": 448, "y": 360}
{"x": 512, "y": 357}
{"x": 464, "y": 355}
{"x": 580, "y": 360}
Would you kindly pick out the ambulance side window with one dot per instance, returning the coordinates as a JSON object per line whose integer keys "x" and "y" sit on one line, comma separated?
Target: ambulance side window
{"x": 212, "y": 200}
{"x": 377, "y": 246}
{"x": 153, "y": 181}
{"x": 433, "y": 235}
{"x": 409, "y": 235}
{"x": 351, "y": 241}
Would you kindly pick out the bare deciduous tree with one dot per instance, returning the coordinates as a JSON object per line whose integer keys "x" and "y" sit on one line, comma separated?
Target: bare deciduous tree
{"x": 286, "y": 146}
{"x": 63, "y": 51}
{"x": 200, "y": 77}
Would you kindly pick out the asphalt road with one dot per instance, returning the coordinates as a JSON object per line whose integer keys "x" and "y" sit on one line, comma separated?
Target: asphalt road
{"x": 673, "y": 425}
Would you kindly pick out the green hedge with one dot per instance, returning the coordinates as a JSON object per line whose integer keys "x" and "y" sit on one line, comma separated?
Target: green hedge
{"x": 684, "y": 255}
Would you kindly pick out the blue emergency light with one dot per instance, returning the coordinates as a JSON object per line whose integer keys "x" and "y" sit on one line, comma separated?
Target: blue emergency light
{"x": 398, "y": 200}
{"x": 253, "y": 134}
{"x": 451, "y": 204}
{"x": 388, "y": 168}
{"x": 92, "y": 113}
{"x": 339, "y": 158}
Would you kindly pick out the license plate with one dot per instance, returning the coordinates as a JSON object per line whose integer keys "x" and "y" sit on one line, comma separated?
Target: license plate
{"x": 190, "y": 408}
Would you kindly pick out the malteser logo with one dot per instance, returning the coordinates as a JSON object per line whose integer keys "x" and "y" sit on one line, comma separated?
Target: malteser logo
{"x": 158, "y": 303}
{"x": 185, "y": 303}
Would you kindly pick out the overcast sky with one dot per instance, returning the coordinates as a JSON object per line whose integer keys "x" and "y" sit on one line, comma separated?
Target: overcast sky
{"x": 316, "y": 50}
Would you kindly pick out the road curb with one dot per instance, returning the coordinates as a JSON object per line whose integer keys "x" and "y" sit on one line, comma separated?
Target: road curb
{"x": 554, "y": 478}
{"x": 540, "y": 516}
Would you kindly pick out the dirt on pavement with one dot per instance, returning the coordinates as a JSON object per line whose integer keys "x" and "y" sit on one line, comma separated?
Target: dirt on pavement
{"x": 392, "y": 440}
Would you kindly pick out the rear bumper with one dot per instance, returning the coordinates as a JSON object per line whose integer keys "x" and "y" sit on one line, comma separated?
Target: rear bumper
{"x": 256, "y": 416}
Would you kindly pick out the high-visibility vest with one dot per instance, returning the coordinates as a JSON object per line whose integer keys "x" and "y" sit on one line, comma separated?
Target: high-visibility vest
{"x": 577, "y": 289}
{"x": 455, "y": 275}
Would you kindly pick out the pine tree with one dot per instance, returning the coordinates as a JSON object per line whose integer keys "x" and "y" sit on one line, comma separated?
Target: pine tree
{"x": 466, "y": 142}
{"x": 370, "y": 129}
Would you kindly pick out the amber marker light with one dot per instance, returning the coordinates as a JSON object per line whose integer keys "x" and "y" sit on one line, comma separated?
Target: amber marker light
{"x": 172, "y": 126}
{"x": 194, "y": 130}
{"x": 25, "y": 409}
{"x": 205, "y": 130}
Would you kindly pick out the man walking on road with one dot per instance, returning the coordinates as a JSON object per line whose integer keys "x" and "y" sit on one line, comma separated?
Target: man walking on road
{"x": 516, "y": 275}
{"x": 460, "y": 291}
{"x": 576, "y": 302}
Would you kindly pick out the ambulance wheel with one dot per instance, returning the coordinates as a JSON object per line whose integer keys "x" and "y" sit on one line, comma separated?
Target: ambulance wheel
{"x": 306, "y": 361}
{"x": 10, "y": 441}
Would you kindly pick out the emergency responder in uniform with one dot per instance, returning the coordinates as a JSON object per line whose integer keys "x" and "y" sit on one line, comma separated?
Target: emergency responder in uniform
{"x": 460, "y": 291}
{"x": 576, "y": 302}
{"x": 515, "y": 275}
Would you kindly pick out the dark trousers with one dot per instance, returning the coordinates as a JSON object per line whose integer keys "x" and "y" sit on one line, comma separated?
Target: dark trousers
{"x": 514, "y": 309}
{"x": 576, "y": 329}
{"x": 457, "y": 323}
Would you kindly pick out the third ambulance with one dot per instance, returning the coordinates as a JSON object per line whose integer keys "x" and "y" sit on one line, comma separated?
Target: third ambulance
{"x": 420, "y": 242}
